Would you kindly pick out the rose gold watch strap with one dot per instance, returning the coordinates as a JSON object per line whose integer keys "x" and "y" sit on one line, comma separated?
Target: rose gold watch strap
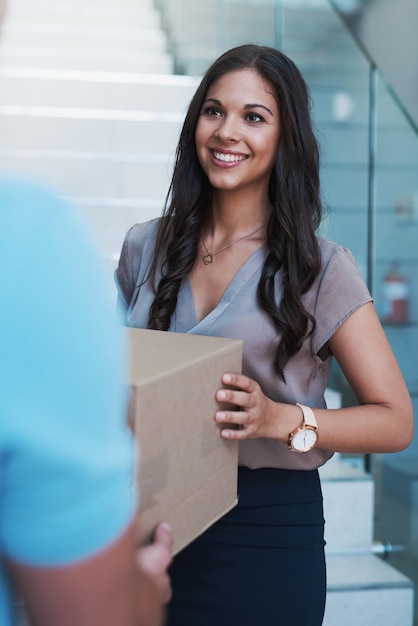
{"x": 308, "y": 415}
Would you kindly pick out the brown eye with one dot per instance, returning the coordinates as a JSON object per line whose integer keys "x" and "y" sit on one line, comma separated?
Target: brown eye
{"x": 212, "y": 112}
{"x": 254, "y": 117}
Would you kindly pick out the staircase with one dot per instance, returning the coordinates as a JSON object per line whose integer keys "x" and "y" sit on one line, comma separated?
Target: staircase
{"x": 96, "y": 35}
{"x": 89, "y": 105}
{"x": 362, "y": 588}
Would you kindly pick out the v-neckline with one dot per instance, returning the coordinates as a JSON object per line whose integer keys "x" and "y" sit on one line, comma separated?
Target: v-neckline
{"x": 238, "y": 281}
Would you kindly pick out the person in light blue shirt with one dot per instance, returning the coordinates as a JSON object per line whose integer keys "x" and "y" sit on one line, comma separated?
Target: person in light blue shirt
{"x": 67, "y": 535}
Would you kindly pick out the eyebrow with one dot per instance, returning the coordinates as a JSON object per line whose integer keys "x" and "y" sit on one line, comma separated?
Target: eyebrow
{"x": 247, "y": 106}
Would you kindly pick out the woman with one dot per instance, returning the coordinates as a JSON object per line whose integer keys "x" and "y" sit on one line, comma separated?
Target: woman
{"x": 236, "y": 255}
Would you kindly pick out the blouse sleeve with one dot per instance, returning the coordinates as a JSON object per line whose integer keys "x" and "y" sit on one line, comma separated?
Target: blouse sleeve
{"x": 135, "y": 261}
{"x": 125, "y": 275}
{"x": 341, "y": 291}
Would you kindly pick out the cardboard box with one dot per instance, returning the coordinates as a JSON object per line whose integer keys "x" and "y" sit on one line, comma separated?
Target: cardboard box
{"x": 187, "y": 473}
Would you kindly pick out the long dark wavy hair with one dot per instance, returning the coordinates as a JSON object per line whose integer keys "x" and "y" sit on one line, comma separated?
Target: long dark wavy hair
{"x": 294, "y": 193}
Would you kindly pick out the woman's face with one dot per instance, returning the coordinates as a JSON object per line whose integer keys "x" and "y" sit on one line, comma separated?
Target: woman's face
{"x": 238, "y": 132}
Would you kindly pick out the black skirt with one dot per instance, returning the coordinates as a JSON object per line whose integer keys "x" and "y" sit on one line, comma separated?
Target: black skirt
{"x": 263, "y": 563}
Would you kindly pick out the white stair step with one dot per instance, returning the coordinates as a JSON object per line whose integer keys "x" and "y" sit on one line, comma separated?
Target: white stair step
{"x": 348, "y": 508}
{"x": 75, "y": 14}
{"x": 122, "y": 36}
{"x": 104, "y": 90}
{"x": 364, "y": 590}
{"x": 110, "y": 219}
{"x": 93, "y": 60}
{"x": 95, "y": 178}
{"x": 115, "y": 133}
{"x": 88, "y": 38}
{"x": 80, "y": 4}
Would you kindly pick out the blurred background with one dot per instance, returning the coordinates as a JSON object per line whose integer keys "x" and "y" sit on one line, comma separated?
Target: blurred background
{"x": 92, "y": 97}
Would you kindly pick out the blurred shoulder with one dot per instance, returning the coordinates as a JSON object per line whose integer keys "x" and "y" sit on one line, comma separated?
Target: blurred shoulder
{"x": 31, "y": 210}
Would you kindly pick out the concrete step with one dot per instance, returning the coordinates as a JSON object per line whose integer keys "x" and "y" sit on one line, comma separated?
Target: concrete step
{"x": 93, "y": 59}
{"x": 125, "y": 39}
{"x": 361, "y": 589}
{"x": 364, "y": 590}
{"x": 47, "y": 5}
{"x": 123, "y": 36}
{"x": 114, "y": 14}
{"x": 136, "y": 177}
{"x": 97, "y": 90}
{"x": 89, "y": 105}
{"x": 89, "y": 131}
{"x": 348, "y": 494}
{"x": 110, "y": 218}
{"x": 62, "y": 23}
{"x": 348, "y": 508}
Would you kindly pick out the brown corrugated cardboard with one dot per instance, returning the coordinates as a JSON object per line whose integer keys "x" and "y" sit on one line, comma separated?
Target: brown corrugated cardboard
{"x": 187, "y": 473}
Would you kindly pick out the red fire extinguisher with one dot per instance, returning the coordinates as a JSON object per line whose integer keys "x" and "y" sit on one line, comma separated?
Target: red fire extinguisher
{"x": 395, "y": 296}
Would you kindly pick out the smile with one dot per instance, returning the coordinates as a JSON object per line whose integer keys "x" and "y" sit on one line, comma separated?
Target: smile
{"x": 229, "y": 158}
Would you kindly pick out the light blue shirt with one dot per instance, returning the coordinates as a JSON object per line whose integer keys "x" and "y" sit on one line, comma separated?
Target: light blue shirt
{"x": 65, "y": 452}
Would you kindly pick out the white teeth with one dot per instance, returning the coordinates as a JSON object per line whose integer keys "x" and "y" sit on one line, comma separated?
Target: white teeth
{"x": 228, "y": 158}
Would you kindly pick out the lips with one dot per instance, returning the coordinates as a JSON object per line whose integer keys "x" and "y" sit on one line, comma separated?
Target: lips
{"x": 228, "y": 157}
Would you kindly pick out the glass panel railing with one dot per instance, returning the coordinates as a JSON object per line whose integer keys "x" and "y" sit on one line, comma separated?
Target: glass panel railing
{"x": 395, "y": 263}
{"x": 338, "y": 77}
{"x": 386, "y": 32}
{"x": 396, "y": 269}
{"x": 199, "y": 31}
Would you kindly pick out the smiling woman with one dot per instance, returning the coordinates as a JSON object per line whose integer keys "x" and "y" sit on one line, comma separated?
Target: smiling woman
{"x": 236, "y": 255}
{"x": 236, "y": 141}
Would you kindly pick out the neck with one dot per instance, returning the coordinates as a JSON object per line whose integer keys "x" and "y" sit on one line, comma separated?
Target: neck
{"x": 233, "y": 216}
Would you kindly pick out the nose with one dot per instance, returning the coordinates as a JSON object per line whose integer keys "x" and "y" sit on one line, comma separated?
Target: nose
{"x": 228, "y": 130}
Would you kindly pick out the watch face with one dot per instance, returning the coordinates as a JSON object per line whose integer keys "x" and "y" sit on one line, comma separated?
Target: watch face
{"x": 305, "y": 439}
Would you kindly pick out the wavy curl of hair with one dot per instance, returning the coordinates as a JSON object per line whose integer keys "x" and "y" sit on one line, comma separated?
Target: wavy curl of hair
{"x": 294, "y": 192}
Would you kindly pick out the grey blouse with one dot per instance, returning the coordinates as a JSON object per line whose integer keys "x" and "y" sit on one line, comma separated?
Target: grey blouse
{"x": 337, "y": 292}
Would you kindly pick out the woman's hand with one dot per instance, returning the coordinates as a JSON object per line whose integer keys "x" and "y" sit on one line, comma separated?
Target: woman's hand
{"x": 255, "y": 412}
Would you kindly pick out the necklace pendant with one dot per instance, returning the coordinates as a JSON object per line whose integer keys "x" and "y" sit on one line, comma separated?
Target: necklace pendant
{"x": 208, "y": 258}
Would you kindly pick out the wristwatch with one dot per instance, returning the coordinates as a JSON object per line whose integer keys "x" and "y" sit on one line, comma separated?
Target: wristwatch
{"x": 304, "y": 437}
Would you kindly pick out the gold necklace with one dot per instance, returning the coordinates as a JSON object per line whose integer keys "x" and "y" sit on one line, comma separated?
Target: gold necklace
{"x": 208, "y": 257}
